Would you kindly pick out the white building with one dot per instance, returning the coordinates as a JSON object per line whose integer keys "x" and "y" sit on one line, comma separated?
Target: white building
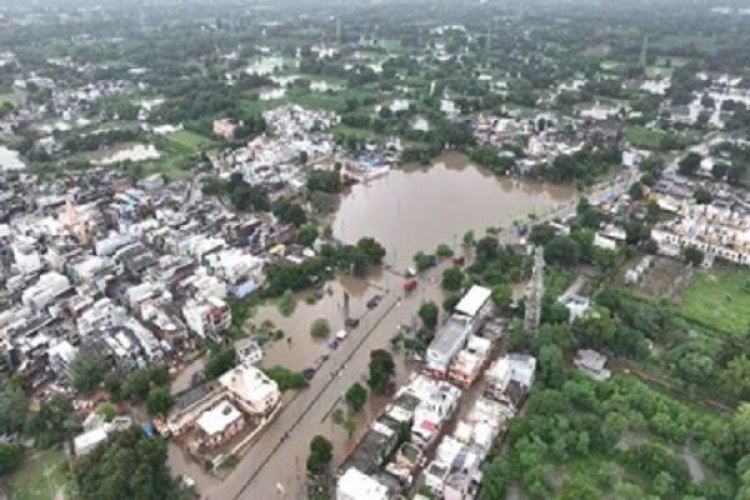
{"x": 49, "y": 287}
{"x": 354, "y": 485}
{"x": 451, "y": 337}
{"x": 207, "y": 318}
{"x": 254, "y": 392}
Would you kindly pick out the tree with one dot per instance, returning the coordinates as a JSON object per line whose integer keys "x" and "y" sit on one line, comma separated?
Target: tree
{"x": 719, "y": 170}
{"x": 382, "y": 368}
{"x": 541, "y": 234}
{"x": 551, "y": 369}
{"x": 325, "y": 181}
{"x": 702, "y": 196}
{"x": 502, "y": 296}
{"x": 290, "y": 213}
{"x": 321, "y": 453}
{"x": 11, "y": 456}
{"x": 453, "y": 278}
{"x": 693, "y": 255}
{"x": 736, "y": 377}
{"x": 563, "y": 251}
{"x": 55, "y": 422}
{"x": 578, "y": 487}
{"x": 220, "y": 360}
{"x": 320, "y": 328}
{"x": 444, "y": 251}
{"x": 159, "y": 401}
{"x": 12, "y": 409}
{"x": 468, "y": 238}
{"x": 429, "y": 313}
{"x": 690, "y": 164}
{"x": 355, "y": 397}
{"x": 287, "y": 304}
{"x": 137, "y": 386}
{"x": 127, "y": 465}
{"x": 307, "y": 235}
{"x": 636, "y": 191}
{"x": 87, "y": 373}
{"x": 372, "y": 250}
{"x": 286, "y": 379}
{"x": 107, "y": 411}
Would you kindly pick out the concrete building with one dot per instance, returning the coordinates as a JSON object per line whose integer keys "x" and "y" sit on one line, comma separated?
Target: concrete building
{"x": 467, "y": 318}
{"x": 354, "y": 485}
{"x": 592, "y": 363}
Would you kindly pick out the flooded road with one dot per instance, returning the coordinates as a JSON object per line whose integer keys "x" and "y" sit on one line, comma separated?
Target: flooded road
{"x": 408, "y": 211}
{"x": 417, "y": 208}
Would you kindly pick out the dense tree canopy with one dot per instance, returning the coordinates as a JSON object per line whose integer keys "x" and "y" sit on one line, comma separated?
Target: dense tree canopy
{"x": 128, "y": 465}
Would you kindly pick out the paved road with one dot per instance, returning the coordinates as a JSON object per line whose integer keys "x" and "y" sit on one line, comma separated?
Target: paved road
{"x": 274, "y": 467}
{"x": 274, "y": 460}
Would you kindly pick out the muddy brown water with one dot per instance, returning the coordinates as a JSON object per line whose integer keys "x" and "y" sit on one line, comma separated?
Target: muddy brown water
{"x": 409, "y": 210}
{"x": 415, "y": 208}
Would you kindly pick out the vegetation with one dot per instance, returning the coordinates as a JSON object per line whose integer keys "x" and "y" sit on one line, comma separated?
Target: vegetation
{"x": 719, "y": 298}
{"x": 429, "y": 314}
{"x": 87, "y": 373}
{"x": 286, "y": 379}
{"x": 220, "y": 360}
{"x": 321, "y": 454}
{"x": 356, "y": 397}
{"x": 582, "y": 425}
{"x": 320, "y": 328}
{"x": 128, "y": 465}
{"x": 382, "y": 368}
{"x": 287, "y": 304}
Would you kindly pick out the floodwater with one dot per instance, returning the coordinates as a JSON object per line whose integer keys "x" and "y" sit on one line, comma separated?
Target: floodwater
{"x": 299, "y": 349}
{"x": 10, "y": 160}
{"x": 417, "y": 208}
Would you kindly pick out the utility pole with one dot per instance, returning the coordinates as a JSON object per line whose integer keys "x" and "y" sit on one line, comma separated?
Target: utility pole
{"x": 489, "y": 38}
{"x": 534, "y": 295}
{"x": 338, "y": 31}
{"x": 644, "y": 52}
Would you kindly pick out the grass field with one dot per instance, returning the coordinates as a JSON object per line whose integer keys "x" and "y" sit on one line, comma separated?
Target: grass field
{"x": 704, "y": 44}
{"x": 42, "y": 477}
{"x": 719, "y": 298}
{"x": 8, "y": 97}
{"x": 642, "y": 137}
{"x": 189, "y": 140}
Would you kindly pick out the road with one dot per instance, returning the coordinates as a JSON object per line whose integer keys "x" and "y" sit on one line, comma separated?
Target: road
{"x": 275, "y": 466}
{"x": 274, "y": 461}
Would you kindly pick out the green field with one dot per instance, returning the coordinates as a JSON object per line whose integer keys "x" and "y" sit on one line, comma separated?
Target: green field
{"x": 642, "y": 137}
{"x": 42, "y": 477}
{"x": 704, "y": 44}
{"x": 189, "y": 140}
{"x": 719, "y": 298}
{"x": 8, "y": 97}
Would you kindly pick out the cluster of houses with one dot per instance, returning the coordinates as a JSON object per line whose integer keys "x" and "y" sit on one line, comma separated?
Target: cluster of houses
{"x": 410, "y": 439}
{"x": 132, "y": 274}
{"x": 296, "y": 137}
{"x": 213, "y": 420}
{"x": 720, "y": 228}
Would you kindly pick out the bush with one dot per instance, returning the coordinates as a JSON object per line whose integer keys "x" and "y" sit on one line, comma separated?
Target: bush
{"x": 356, "y": 397}
{"x": 286, "y": 379}
{"x": 320, "y": 328}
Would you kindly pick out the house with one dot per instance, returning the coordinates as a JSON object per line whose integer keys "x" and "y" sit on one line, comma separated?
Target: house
{"x": 509, "y": 378}
{"x": 354, "y": 485}
{"x": 576, "y": 305}
{"x": 208, "y": 318}
{"x": 226, "y": 128}
{"x": 253, "y": 391}
{"x": 592, "y": 363}
{"x": 467, "y": 318}
{"x": 220, "y": 423}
